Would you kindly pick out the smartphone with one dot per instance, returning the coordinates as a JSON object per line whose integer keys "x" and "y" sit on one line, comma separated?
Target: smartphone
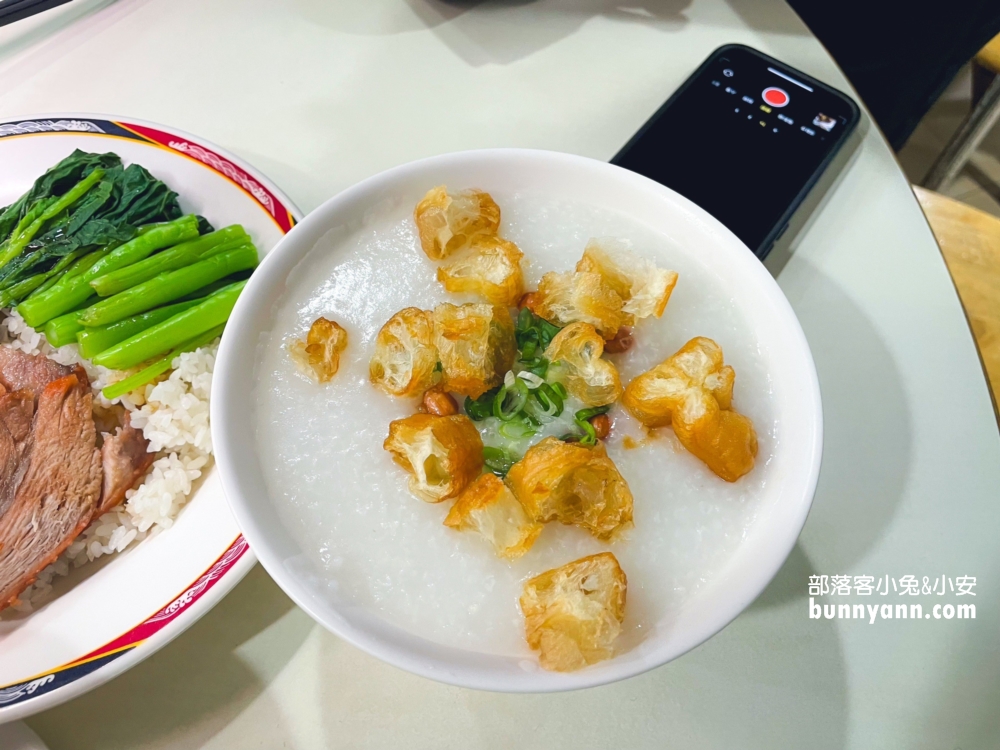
{"x": 745, "y": 137}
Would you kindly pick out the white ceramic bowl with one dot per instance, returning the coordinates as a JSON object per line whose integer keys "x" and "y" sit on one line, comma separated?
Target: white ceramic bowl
{"x": 783, "y": 505}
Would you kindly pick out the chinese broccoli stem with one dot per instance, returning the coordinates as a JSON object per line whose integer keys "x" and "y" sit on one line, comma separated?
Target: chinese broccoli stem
{"x": 170, "y": 260}
{"x": 93, "y": 341}
{"x": 14, "y": 293}
{"x": 160, "y": 366}
{"x": 149, "y": 239}
{"x": 62, "y": 330}
{"x": 167, "y": 287}
{"x": 18, "y": 242}
{"x": 184, "y": 326}
{"x": 73, "y": 291}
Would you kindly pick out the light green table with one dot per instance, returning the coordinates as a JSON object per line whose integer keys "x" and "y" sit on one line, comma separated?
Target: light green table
{"x": 319, "y": 94}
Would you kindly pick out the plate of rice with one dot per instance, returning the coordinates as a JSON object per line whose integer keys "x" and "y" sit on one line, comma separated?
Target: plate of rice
{"x": 141, "y": 571}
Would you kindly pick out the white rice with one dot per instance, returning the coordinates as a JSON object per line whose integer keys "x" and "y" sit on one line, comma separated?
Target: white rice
{"x": 172, "y": 414}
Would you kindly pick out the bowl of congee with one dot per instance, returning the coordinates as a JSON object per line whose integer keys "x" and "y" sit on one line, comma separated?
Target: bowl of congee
{"x": 517, "y": 420}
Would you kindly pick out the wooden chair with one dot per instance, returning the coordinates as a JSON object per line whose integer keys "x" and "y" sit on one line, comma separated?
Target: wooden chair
{"x": 984, "y": 115}
{"x": 970, "y": 241}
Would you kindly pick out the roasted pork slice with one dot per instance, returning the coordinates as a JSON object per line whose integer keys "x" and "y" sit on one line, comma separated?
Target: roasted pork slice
{"x": 60, "y": 489}
{"x": 16, "y": 411}
{"x": 32, "y": 372}
{"x": 126, "y": 458}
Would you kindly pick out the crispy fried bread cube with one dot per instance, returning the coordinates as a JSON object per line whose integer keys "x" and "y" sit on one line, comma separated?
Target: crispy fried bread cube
{"x": 488, "y": 507}
{"x": 575, "y": 353}
{"x": 573, "y": 484}
{"x": 443, "y": 454}
{"x": 476, "y": 346}
{"x": 564, "y": 298}
{"x": 573, "y": 614}
{"x": 447, "y": 222}
{"x": 644, "y": 288}
{"x": 491, "y": 268}
{"x": 405, "y": 359}
{"x": 693, "y": 392}
{"x": 318, "y": 356}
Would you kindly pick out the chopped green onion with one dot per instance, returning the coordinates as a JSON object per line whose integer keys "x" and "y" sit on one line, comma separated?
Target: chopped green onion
{"x": 516, "y": 429}
{"x": 582, "y": 419}
{"x": 497, "y": 460}
{"x": 584, "y": 414}
{"x": 561, "y": 390}
{"x": 549, "y": 398}
{"x": 530, "y": 379}
{"x": 478, "y": 409}
{"x": 589, "y": 433}
{"x": 510, "y": 400}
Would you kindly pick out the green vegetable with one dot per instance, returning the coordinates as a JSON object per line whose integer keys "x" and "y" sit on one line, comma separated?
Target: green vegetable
{"x": 516, "y": 429}
{"x": 167, "y": 287}
{"x": 58, "y": 217}
{"x": 533, "y": 334}
{"x": 170, "y": 259}
{"x": 93, "y": 341}
{"x": 62, "y": 330}
{"x": 509, "y": 402}
{"x": 54, "y": 182}
{"x": 478, "y": 409}
{"x": 16, "y": 243}
{"x": 498, "y": 460}
{"x": 549, "y": 399}
{"x": 74, "y": 290}
{"x": 208, "y": 314}
{"x": 148, "y": 374}
{"x": 147, "y": 241}
{"x": 582, "y": 419}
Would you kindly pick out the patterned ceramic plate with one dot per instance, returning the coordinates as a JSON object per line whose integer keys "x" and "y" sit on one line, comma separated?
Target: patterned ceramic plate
{"x": 108, "y": 617}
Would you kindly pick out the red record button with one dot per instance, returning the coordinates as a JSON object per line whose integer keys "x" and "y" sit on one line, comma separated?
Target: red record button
{"x": 775, "y": 97}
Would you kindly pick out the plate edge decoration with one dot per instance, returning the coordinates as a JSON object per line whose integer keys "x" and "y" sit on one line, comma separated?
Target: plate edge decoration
{"x": 60, "y": 676}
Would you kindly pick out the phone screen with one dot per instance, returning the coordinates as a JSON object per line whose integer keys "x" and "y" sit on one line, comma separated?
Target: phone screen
{"x": 744, "y": 138}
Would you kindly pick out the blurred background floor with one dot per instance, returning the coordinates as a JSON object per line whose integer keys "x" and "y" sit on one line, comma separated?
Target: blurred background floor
{"x": 978, "y": 185}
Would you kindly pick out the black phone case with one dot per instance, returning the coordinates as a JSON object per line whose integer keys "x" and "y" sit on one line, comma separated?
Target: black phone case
{"x": 782, "y": 223}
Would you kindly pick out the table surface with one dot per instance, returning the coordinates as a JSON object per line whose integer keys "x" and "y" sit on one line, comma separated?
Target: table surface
{"x": 319, "y": 94}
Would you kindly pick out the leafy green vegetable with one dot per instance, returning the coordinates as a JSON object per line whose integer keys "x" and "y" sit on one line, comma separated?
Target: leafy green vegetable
{"x": 55, "y": 181}
{"x": 85, "y": 201}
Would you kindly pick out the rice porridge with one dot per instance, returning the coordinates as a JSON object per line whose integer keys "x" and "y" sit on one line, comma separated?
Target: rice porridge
{"x": 380, "y": 548}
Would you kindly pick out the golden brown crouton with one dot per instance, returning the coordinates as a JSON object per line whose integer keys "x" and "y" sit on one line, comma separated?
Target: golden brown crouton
{"x": 318, "y": 357}
{"x": 476, "y": 346}
{"x": 443, "y": 454}
{"x": 405, "y": 362}
{"x": 490, "y": 268}
{"x": 644, "y": 288}
{"x": 573, "y": 484}
{"x": 446, "y": 223}
{"x": 488, "y": 507}
{"x": 573, "y": 614}
{"x": 564, "y": 298}
{"x": 693, "y": 392}
{"x": 575, "y": 353}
